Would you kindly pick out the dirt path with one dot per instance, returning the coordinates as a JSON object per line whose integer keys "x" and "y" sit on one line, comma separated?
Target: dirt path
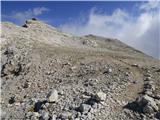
{"x": 128, "y": 94}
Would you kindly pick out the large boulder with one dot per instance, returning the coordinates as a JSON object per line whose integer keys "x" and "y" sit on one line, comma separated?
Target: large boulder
{"x": 147, "y": 104}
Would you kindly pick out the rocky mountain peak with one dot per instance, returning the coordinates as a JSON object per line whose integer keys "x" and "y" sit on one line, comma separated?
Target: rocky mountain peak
{"x": 34, "y": 23}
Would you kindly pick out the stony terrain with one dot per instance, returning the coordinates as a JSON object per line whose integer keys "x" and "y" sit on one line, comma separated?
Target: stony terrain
{"x": 50, "y": 75}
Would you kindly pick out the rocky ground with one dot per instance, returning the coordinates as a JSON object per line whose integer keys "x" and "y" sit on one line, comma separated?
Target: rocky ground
{"x": 50, "y": 75}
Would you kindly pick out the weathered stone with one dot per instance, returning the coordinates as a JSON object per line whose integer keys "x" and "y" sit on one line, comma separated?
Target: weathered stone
{"x": 45, "y": 116}
{"x": 148, "y": 92}
{"x": 84, "y": 108}
{"x": 52, "y": 96}
{"x": 54, "y": 117}
{"x": 100, "y": 96}
{"x": 135, "y": 65}
{"x": 158, "y": 70}
{"x": 38, "y": 105}
{"x": 11, "y": 100}
{"x": 157, "y": 96}
{"x": 146, "y": 103}
{"x": 66, "y": 115}
{"x": 148, "y": 109}
{"x": 149, "y": 85}
{"x": 110, "y": 70}
{"x": 147, "y": 78}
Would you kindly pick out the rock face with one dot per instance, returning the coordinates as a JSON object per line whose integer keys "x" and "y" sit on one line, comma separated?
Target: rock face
{"x": 50, "y": 75}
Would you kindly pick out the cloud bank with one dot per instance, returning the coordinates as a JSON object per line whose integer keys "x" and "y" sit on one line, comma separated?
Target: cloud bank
{"x": 20, "y": 17}
{"x": 141, "y": 31}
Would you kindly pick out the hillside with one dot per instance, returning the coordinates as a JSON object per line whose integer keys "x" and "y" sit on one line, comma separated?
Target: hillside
{"x": 50, "y": 75}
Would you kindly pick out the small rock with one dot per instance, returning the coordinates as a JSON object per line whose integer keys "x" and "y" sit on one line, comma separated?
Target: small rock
{"x": 45, "y": 116}
{"x": 28, "y": 114}
{"x": 157, "y": 96}
{"x": 84, "y": 108}
{"x": 135, "y": 82}
{"x": 36, "y": 114}
{"x": 94, "y": 106}
{"x": 135, "y": 65}
{"x": 149, "y": 86}
{"x": 109, "y": 70}
{"x": 17, "y": 104}
{"x": 26, "y": 85}
{"x": 148, "y": 109}
{"x": 158, "y": 70}
{"x": 148, "y": 75}
{"x": 77, "y": 119}
{"x": 34, "y": 19}
{"x": 66, "y": 115}
{"x": 54, "y": 117}
{"x": 147, "y": 78}
{"x": 46, "y": 104}
{"x": 53, "y": 96}
{"x": 148, "y": 92}
{"x": 78, "y": 115}
{"x": 100, "y": 96}
{"x": 126, "y": 74}
{"x": 61, "y": 92}
{"x": 38, "y": 106}
{"x": 11, "y": 100}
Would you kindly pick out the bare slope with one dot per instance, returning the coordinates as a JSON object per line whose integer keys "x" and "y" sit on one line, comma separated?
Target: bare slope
{"x": 47, "y": 74}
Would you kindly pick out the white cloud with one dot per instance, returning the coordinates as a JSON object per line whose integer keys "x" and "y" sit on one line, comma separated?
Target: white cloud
{"x": 152, "y": 4}
{"x": 20, "y": 17}
{"x": 39, "y": 10}
{"x": 141, "y": 32}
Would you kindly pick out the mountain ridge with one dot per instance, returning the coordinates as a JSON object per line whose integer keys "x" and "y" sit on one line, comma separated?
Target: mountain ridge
{"x": 38, "y": 26}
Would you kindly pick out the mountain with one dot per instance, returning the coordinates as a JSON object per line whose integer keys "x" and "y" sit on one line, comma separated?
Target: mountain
{"x": 50, "y": 75}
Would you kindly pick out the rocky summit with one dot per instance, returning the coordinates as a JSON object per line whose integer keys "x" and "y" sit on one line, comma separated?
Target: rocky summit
{"x": 50, "y": 75}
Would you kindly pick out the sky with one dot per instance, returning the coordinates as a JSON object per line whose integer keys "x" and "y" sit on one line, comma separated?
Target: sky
{"x": 134, "y": 23}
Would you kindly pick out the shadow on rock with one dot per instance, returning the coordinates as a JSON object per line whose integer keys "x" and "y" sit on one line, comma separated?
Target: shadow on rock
{"x": 134, "y": 107}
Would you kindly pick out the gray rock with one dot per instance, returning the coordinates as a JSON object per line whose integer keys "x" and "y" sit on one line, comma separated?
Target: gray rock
{"x": 100, "y": 96}
{"x": 84, "y": 108}
{"x": 135, "y": 65}
{"x": 66, "y": 115}
{"x": 54, "y": 117}
{"x": 149, "y": 85}
{"x": 157, "y": 96}
{"x": 94, "y": 106}
{"x": 147, "y": 78}
{"x": 110, "y": 70}
{"x": 147, "y": 103}
{"x": 12, "y": 100}
{"x": 35, "y": 116}
{"x": 148, "y": 109}
{"x": 52, "y": 96}
{"x": 148, "y": 92}
{"x": 45, "y": 116}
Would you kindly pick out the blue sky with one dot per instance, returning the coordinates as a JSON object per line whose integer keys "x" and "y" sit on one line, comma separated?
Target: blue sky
{"x": 61, "y": 12}
{"x": 134, "y": 23}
